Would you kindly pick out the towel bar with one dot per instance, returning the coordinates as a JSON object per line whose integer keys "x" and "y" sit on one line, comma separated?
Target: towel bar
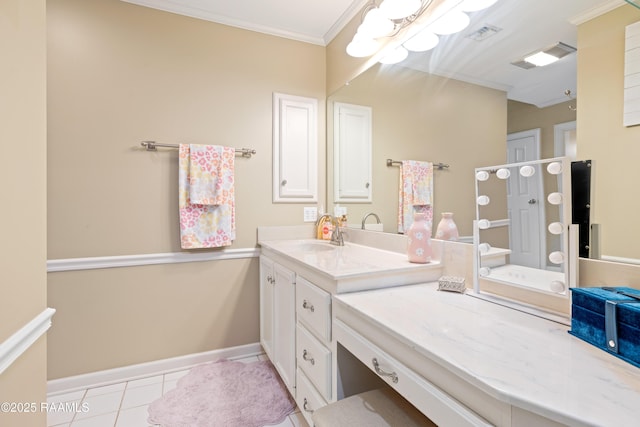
{"x": 152, "y": 146}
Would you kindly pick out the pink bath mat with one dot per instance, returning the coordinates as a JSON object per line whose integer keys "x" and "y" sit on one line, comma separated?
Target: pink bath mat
{"x": 225, "y": 394}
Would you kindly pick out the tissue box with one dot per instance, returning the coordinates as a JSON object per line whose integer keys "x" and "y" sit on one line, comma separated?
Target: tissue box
{"x": 608, "y": 318}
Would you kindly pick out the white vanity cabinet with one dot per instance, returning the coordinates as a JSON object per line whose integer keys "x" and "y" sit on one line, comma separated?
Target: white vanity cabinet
{"x": 277, "y": 318}
{"x": 313, "y": 347}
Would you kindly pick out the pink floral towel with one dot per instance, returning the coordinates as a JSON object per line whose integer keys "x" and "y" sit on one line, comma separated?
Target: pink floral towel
{"x": 415, "y": 192}
{"x": 206, "y": 196}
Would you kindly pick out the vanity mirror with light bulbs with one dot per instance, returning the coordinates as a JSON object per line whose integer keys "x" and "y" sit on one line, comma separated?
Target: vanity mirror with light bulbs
{"x": 523, "y": 231}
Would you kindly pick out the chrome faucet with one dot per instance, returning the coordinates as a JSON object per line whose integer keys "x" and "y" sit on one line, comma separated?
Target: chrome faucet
{"x": 367, "y": 216}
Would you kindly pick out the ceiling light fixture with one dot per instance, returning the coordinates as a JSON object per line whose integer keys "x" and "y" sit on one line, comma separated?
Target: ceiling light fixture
{"x": 546, "y": 56}
{"x": 387, "y": 18}
{"x": 540, "y": 59}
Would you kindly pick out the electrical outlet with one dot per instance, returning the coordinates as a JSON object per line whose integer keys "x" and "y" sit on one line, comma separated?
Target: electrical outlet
{"x": 310, "y": 214}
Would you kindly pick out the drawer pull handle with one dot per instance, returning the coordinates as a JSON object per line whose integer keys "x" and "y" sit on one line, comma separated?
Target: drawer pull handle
{"x": 392, "y": 375}
{"x": 307, "y": 306}
{"x": 306, "y": 356}
{"x": 305, "y": 406}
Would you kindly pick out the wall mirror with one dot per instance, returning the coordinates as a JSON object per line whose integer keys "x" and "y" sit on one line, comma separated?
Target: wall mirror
{"x": 433, "y": 115}
{"x": 523, "y": 234}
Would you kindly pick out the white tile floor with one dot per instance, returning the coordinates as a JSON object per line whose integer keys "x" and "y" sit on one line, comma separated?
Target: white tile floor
{"x": 125, "y": 404}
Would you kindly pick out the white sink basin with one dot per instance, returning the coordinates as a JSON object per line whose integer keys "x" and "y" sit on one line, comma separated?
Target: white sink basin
{"x": 315, "y": 247}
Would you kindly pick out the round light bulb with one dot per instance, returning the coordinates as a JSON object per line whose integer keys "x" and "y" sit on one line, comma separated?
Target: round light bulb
{"x": 483, "y": 200}
{"x": 556, "y": 257}
{"x": 398, "y": 54}
{"x": 556, "y": 228}
{"x": 484, "y": 248}
{"x": 557, "y": 286}
{"x": 554, "y": 198}
{"x": 554, "y": 168}
{"x": 362, "y": 46}
{"x": 475, "y": 5}
{"x": 375, "y": 24}
{"x": 482, "y": 175}
{"x": 503, "y": 173}
{"x": 527, "y": 171}
{"x": 422, "y": 42}
{"x": 483, "y": 224}
{"x": 451, "y": 22}
{"x": 398, "y": 9}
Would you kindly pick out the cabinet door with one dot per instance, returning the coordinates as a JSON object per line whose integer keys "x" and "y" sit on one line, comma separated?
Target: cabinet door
{"x": 295, "y": 148}
{"x": 285, "y": 326}
{"x": 352, "y": 153}
{"x": 267, "y": 285}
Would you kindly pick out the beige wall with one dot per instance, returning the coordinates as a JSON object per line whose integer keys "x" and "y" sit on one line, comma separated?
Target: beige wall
{"x": 614, "y": 149}
{"x": 23, "y": 195}
{"x": 521, "y": 117}
{"x": 119, "y": 74}
{"x": 417, "y": 116}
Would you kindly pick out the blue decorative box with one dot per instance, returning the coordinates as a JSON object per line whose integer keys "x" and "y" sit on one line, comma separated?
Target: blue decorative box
{"x": 608, "y": 318}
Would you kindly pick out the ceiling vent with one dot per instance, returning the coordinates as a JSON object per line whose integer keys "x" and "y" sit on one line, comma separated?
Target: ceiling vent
{"x": 548, "y": 56}
{"x": 484, "y": 33}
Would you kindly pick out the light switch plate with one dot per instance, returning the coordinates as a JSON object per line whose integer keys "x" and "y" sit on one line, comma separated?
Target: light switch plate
{"x": 310, "y": 214}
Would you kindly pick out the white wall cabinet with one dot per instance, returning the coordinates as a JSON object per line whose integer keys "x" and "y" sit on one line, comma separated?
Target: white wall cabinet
{"x": 295, "y": 148}
{"x": 278, "y": 319}
{"x": 352, "y": 153}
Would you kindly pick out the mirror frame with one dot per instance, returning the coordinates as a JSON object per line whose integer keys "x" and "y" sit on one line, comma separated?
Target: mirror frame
{"x": 568, "y": 236}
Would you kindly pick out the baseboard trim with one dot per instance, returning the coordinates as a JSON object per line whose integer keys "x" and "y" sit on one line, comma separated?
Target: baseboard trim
{"x": 71, "y": 264}
{"x": 148, "y": 369}
{"x": 14, "y": 346}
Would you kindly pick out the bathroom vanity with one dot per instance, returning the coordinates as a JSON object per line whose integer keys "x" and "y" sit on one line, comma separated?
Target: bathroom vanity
{"x": 460, "y": 360}
{"x": 298, "y": 277}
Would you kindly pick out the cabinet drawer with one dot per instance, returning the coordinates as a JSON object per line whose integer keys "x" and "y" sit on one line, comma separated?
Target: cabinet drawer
{"x": 440, "y": 407}
{"x": 315, "y": 360}
{"x": 313, "y": 307}
{"x": 307, "y": 397}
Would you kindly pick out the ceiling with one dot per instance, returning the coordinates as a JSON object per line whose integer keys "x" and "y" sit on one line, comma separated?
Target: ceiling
{"x": 526, "y": 25}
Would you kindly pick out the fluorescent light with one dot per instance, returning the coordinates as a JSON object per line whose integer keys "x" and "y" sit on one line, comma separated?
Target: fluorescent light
{"x": 541, "y": 59}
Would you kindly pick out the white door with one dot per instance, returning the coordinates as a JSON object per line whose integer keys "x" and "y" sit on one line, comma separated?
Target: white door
{"x": 525, "y": 209}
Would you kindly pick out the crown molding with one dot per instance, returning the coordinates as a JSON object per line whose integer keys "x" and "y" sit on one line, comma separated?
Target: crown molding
{"x": 596, "y": 11}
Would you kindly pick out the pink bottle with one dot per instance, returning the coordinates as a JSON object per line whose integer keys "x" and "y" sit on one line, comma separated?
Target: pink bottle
{"x": 447, "y": 229}
{"x": 419, "y": 240}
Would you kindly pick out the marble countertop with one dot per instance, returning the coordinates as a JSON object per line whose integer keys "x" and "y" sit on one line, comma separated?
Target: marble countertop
{"x": 344, "y": 261}
{"x": 352, "y": 267}
{"x": 517, "y": 358}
